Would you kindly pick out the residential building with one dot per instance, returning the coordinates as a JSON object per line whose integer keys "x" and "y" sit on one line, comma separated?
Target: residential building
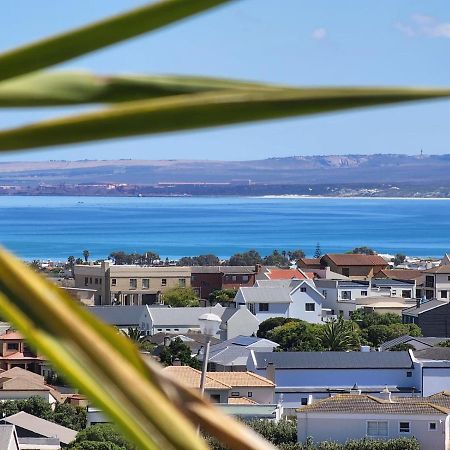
{"x": 124, "y": 317}
{"x": 436, "y": 283}
{"x": 232, "y": 354}
{"x": 235, "y": 321}
{"x": 206, "y": 279}
{"x": 15, "y": 352}
{"x": 357, "y": 416}
{"x": 194, "y": 340}
{"x": 224, "y": 386}
{"x": 33, "y": 430}
{"x": 129, "y": 284}
{"x": 435, "y": 368}
{"x": 419, "y": 343}
{"x": 275, "y": 273}
{"x": 302, "y": 377}
{"x": 351, "y": 265}
{"x": 377, "y": 294}
{"x": 433, "y": 317}
{"x": 301, "y": 301}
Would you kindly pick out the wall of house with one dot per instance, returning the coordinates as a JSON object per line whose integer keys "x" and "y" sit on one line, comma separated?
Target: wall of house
{"x": 23, "y": 395}
{"x": 262, "y": 395}
{"x": 435, "y": 380}
{"x": 275, "y": 310}
{"x": 243, "y": 323}
{"x": 442, "y": 281}
{"x": 297, "y": 309}
{"x": 205, "y": 283}
{"x": 435, "y": 322}
{"x": 222, "y": 394}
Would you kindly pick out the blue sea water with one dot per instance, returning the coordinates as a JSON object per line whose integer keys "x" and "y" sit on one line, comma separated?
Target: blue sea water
{"x": 56, "y": 227}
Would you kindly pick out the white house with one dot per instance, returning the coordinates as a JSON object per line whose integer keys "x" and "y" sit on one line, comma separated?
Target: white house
{"x": 302, "y": 377}
{"x": 356, "y": 416}
{"x": 301, "y": 300}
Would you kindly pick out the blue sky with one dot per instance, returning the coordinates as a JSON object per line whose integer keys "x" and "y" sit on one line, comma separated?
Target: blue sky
{"x": 364, "y": 42}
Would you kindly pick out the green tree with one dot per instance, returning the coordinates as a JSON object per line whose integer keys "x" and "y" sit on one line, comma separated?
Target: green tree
{"x": 298, "y": 336}
{"x": 86, "y": 255}
{"x": 317, "y": 251}
{"x": 276, "y": 259}
{"x": 149, "y": 258}
{"x": 222, "y": 295}
{"x": 294, "y": 255}
{"x": 201, "y": 260}
{"x": 399, "y": 258}
{"x": 250, "y": 258}
{"x": 134, "y": 334}
{"x": 78, "y": 261}
{"x": 180, "y": 296}
{"x": 102, "y": 433}
{"x": 36, "y": 265}
{"x": 269, "y": 324}
{"x": 444, "y": 343}
{"x": 71, "y": 264}
{"x": 177, "y": 349}
{"x": 70, "y": 416}
{"x": 363, "y": 251}
{"x": 340, "y": 335}
{"x": 402, "y": 347}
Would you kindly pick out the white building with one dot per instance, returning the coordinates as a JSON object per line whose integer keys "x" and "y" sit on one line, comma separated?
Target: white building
{"x": 300, "y": 300}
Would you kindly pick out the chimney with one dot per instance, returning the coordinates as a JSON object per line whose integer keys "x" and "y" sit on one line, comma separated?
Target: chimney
{"x": 355, "y": 390}
{"x": 385, "y": 394}
{"x": 270, "y": 372}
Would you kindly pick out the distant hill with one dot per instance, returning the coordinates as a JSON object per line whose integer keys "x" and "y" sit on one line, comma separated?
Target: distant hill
{"x": 300, "y": 170}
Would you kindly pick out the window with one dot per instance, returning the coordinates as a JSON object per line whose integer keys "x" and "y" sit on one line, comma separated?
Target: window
{"x": 346, "y": 271}
{"x": 100, "y": 299}
{"x": 145, "y": 283}
{"x": 377, "y": 428}
{"x": 113, "y": 282}
{"x": 245, "y": 278}
{"x": 304, "y": 401}
{"x": 235, "y": 394}
{"x": 406, "y": 293}
{"x": 249, "y": 394}
{"x": 133, "y": 283}
{"x": 341, "y": 313}
{"x": 159, "y": 329}
{"x": 263, "y": 307}
{"x": 394, "y": 292}
{"x": 100, "y": 281}
{"x": 363, "y": 293}
{"x": 448, "y": 278}
{"x": 432, "y": 426}
{"x": 215, "y": 398}
{"x": 163, "y": 281}
{"x": 409, "y": 374}
{"x": 302, "y": 289}
{"x": 324, "y": 293}
{"x": 346, "y": 295}
{"x": 12, "y": 346}
{"x": 404, "y": 427}
{"x": 310, "y": 306}
{"x": 429, "y": 281}
{"x": 86, "y": 281}
{"x": 96, "y": 281}
{"x": 251, "y": 308}
{"x": 182, "y": 282}
{"x": 234, "y": 278}
{"x": 176, "y": 329}
{"x": 443, "y": 294}
{"x": 90, "y": 280}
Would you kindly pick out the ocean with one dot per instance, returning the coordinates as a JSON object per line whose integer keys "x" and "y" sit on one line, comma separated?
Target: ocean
{"x": 56, "y": 227}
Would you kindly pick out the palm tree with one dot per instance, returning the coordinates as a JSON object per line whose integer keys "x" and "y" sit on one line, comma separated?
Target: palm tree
{"x": 71, "y": 264}
{"x": 86, "y": 255}
{"x": 36, "y": 265}
{"x": 134, "y": 334}
{"x": 339, "y": 335}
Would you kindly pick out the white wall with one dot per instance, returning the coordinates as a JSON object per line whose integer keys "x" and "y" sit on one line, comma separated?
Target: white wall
{"x": 341, "y": 427}
{"x": 243, "y": 323}
{"x": 297, "y": 309}
{"x": 435, "y": 380}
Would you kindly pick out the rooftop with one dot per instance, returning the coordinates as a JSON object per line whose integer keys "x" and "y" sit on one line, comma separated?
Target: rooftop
{"x": 286, "y": 274}
{"x": 352, "y": 259}
{"x": 127, "y": 316}
{"x": 334, "y": 360}
{"x": 402, "y": 274}
{"x": 241, "y": 379}
{"x": 266, "y": 294}
{"x": 445, "y": 269}
{"x": 424, "y": 307}
{"x": 229, "y": 270}
{"x": 190, "y": 377}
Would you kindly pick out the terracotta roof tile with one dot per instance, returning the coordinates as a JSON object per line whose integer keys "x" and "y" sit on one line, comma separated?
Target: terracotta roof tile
{"x": 352, "y": 259}
{"x": 285, "y": 274}
{"x": 12, "y": 335}
{"x": 241, "y": 401}
{"x": 241, "y": 379}
{"x": 191, "y": 378}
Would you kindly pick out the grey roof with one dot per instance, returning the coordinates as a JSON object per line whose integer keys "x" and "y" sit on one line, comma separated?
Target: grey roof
{"x": 127, "y": 316}
{"x": 266, "y": 295}
{"x": 187, "y": 316}
{"x": 334, "y": 360}
{"x": 353, "y": 284}
{"x": 424, "y": 307}
{"x": 7, "y": 434}
{"x": 434, "y": 353}
{"x": 274, "y": 283}
{"x": 229, "y": 356}
{"x": 41, "y": 427}
{"x": 251, "y": 341}
{"x": 429, "y": 341}
{"x": 378, "y": 282}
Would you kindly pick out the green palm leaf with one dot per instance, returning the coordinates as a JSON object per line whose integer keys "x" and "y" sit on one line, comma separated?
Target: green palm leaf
{"x": 153, "y": 411}
{"x": 185, "y": 112}
{"x": 71, "y": 88}
{"x": 95, "y": 36}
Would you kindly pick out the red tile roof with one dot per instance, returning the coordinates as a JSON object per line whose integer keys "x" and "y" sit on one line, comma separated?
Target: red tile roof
{"x": 352, "y": 259}
{"x": 12, "y": 335}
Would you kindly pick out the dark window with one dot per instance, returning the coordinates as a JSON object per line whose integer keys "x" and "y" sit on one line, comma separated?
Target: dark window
{"x": 346, "y": 295}
{"x": 346, "y": 271}
{"x": 100, "y": 298}
{"x": 448, "y": 279}
{"x": 145, "y": 283}
{"x": 100, "y": 281}
{"x": 235, "y": 394}
{"x": 409, "y": 374}
{"x": 404, "y": 427}
{"x": 163, "y": 281}
{"x": 443, "y": 294}
{"x": 215, "y": 398}
{"x": 133, "y": 283}
{"x": 96, "y": 281}
{"x": 12, "y": 346}
{"x": 182, "y": 282}
{"x": 244, "y": 277}
{"x": 429, "y": 281}
{"x": 406, "y": 293}
{"x": 249, "y": 394}
{"x": 113, "y": 282}
{"x": 86, "y": 281}
{"x": 304, "y": 401}
{"x": 341, "y": 312}
{"x": 302, "y": 289}
{"x": 432, "y": 426}
{"x": 310, "y": 306}
{"x": 263, "y": 307}
{"x": 90, "y": 280}
{"x": 363, "y": 293}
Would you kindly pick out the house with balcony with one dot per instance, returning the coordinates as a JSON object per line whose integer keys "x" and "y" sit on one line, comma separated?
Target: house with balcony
{"x": 15, "y": 352}
{"x": 129, "y": 284}
{"x": 299, "y": 300}
{"x": 435, "y": 283}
